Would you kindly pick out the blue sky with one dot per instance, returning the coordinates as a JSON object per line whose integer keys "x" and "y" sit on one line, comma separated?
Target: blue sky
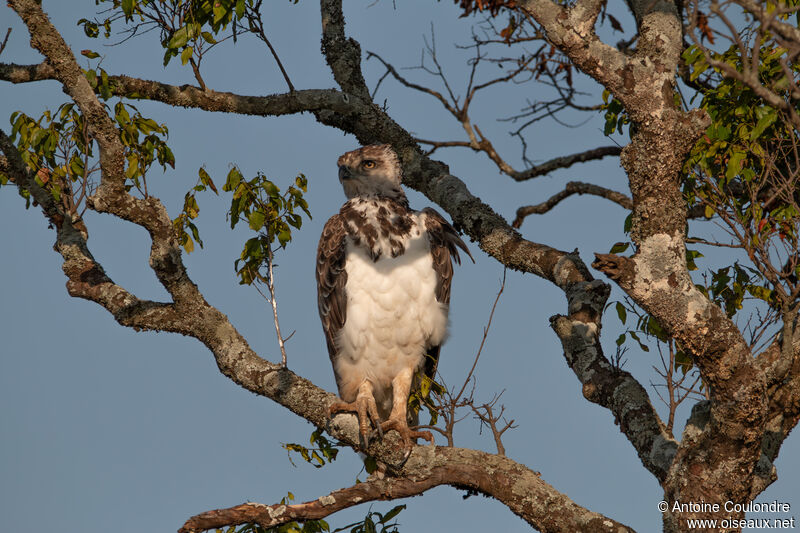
{"x": 103, "y": 428}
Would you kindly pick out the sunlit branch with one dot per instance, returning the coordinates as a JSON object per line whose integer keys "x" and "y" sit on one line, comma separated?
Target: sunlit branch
{"x": 573, "y": 187}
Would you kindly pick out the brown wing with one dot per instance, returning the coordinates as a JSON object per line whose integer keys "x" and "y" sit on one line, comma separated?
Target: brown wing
{"x": 331, "y": 280}
{"x": 444, "y": 243}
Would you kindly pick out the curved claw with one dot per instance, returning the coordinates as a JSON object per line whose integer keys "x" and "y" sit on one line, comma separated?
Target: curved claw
{"x": 402, "y": 463}
{"x": 365, "y": 408}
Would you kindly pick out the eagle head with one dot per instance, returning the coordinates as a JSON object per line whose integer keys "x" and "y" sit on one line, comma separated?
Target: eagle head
{"x": 371, "y": 171}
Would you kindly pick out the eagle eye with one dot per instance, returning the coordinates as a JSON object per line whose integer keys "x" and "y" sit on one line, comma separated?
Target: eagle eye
{"x": 368, "y": 164}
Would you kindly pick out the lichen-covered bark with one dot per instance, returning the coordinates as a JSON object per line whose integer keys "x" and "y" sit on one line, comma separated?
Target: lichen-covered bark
{"x": 430, "y": 467}
{"x": 720, "y": 456}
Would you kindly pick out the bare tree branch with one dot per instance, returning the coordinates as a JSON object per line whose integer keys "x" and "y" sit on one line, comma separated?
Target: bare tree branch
{"x": 5, "y": 41}
{"x": 478, "y": 142}
{"x": 566, "y": 161}
{"x": 573, "y": 187}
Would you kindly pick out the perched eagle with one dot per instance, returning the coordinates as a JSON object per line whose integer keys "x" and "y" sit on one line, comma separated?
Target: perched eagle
{"x": 383, "y": 287}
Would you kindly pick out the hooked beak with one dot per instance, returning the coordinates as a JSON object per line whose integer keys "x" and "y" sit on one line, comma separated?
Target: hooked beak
{"x": 344, "y": 173}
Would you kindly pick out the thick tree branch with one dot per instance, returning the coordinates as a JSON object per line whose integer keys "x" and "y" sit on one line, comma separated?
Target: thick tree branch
{"x": 611, "y": 387}
{"x": 572, "y": 31}
{"x": 343, "y": 54}
{"x": 573, "y": 187}
{"x": 85, "y": 277}
{"x": 543, "y": 507}
{"x": 26, "y": 73}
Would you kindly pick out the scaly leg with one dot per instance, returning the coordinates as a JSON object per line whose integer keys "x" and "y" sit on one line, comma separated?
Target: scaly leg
{"x": 398, "y": 419}
{"x": 364, "y": 406}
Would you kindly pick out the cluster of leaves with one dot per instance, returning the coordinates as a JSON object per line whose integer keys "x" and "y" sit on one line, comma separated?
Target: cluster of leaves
{"x": 190, "y": 211}
{"x": 59, "y": 149}
{"x": 269, "y": 213}
{"x": 745, "y": 168}
{"x": 494, "y": 7}
{"x": 645, "y": 329}
{"x": 325, "y": 452}
{"x": 614, "y": 113}
{"x": 141, "y": 152}
{"x": 421, "y": 397}
{"x": 375, "y": 520}
{"x": 188, "y": 27}
{"x": 730, "y": 285}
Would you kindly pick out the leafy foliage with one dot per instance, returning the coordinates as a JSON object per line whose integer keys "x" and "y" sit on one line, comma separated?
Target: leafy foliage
{"x": 421, "y": 397}
{"x": 324, "y": 453}
{"x": 59, "y": 149}
{"x": 373, "y": 521}
{"x": 745, "y": 169}
{"x": 269, "y": 213}
{"x": 190, "y": 212}
{"x": 186, "y": 27}
{"x": 494, "y": 7}
{"x": 614, "y": 113}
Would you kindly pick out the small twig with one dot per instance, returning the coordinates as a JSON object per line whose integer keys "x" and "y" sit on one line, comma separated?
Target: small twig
{"x": 259, "y": 30}
{"x": 485, "y": 335}
{"x": 5, "y": 41}
{"x": 485, "y": 413}
{"x": 273, "y": 301}
{"x": 197, "y": 76}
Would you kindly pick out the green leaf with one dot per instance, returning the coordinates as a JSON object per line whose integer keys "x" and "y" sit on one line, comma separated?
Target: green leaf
{"x": 764, "y": 122}
{"x": 635, "y": 337}
{"x": 391, "y": 514}
{"x": 619, "y": 247}
{"x": 628, "y": 224}
{"x": 233, "y": 179}
{"x": 91, "y": 77}
{"x": 284, "y": 236}
{"x": 621, "y": 312}
{"x": 370, "y": 464}
{"x": 89, "y": 28}
{"x": 691, "y": 255}
{"x": 205, "y": 179}
{"x": 256, "y": 220}
{"x": 90, "y": 54}
{"x": 127, "y": 8}
{"x": 735, "y": 164}
{"x": 186, "y": 54}
{"x": 270, "y": 188}
{"x": 179, "y": 39}
{"x": 188, "y": 245}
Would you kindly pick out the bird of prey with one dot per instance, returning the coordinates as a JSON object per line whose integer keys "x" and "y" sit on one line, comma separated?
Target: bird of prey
{"x": 383, "y": 286}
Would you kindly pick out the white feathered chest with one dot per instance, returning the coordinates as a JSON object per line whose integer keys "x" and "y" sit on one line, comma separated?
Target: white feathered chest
{"x": 393, "y": 315}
